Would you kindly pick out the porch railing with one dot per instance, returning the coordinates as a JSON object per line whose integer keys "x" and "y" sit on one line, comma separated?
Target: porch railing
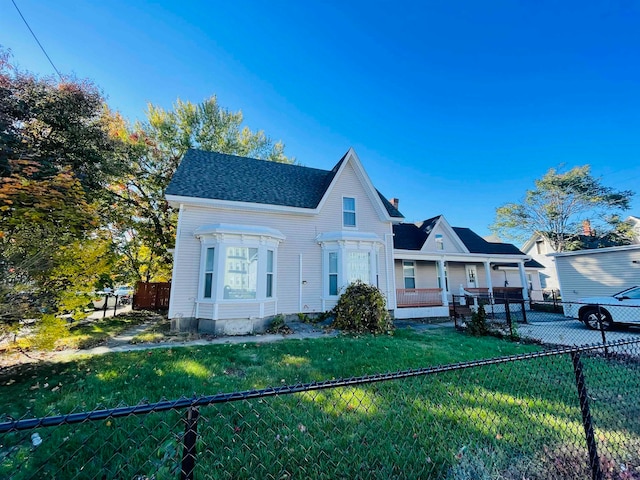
{"x": 418, "y": 297}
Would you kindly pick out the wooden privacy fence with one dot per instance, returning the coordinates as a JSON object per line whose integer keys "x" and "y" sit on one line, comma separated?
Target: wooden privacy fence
{"x": 152, "y": 296}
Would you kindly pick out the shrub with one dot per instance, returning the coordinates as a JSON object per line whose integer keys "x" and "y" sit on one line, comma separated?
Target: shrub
{"x": 478, "y": 324}
{"x": 362, "y": 308}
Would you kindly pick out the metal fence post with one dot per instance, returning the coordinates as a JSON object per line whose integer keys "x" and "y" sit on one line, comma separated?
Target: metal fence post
{"x": 104, "y": 308}
{"x": 507, "y": 311}
{"x": 524, "y": 312}
{"x": 594, "y": 460}
{"x": 604, "y": 337}
{"x": 189, "y": 451}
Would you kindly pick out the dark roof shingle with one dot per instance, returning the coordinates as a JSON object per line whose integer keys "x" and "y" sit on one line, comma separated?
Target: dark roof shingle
{"x": 219, "y": 176}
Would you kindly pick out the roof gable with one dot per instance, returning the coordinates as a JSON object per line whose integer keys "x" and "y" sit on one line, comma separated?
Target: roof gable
{"x": 230, "y": 178}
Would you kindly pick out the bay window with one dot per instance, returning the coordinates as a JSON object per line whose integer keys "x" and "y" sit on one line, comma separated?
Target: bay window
{"x": 348, "y": 257}
{"x": 237, "y": 263}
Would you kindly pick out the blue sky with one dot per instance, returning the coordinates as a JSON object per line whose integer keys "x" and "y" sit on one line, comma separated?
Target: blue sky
{"x": 453, "y": 107}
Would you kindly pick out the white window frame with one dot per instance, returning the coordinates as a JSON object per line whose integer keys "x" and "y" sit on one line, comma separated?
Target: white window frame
{"x": 439, "y": 241}
{"x": 342, "y": 243}
{"x": 224, "y": 238}
{"x": 406, "y": 264}
{"x": 206, "y": 271}
{"x": 354, "y": 212}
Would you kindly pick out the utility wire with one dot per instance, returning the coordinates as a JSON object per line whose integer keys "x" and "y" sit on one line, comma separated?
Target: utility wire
{"x": 36, "y": 38}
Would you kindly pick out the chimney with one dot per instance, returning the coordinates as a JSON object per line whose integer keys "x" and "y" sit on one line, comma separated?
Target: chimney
{"x": 394, "y": 202}
{"x": 586, "y": 228}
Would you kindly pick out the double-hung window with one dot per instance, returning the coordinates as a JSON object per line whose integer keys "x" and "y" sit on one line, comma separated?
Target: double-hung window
{"x": 208, "y": 272}
{"x": 348, "y": 211}
{"x": 269, "y": 273}
{"x": 409, "y": 273}
{"x": 333, "y": 273}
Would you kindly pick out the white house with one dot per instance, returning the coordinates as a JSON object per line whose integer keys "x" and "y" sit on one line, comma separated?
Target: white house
{"x": 538, "y": 248}
{"x": 597, "y": 272}
{"x": 434, "y": 261}
{"x": 258, "y": 238}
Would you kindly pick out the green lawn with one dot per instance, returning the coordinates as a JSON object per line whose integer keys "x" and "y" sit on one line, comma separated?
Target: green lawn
{"x": 487, "y": 422}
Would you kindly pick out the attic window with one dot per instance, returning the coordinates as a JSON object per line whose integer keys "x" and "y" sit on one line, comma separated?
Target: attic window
{"x": 439, "y": 242}
{"x": 348, "y": 211}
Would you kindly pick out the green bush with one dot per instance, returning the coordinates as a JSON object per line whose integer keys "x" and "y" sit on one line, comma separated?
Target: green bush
{"x": 478, "y": 324}
{"x": 362, "y": 308}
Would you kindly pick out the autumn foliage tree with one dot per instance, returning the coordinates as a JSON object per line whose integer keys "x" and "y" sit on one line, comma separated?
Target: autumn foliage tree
{"x": 142, "y": 220}
{"x": 56, "y": 158}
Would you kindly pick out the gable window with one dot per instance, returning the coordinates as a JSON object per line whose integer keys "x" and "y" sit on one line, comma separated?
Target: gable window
{"x": 208, "y": 273}
{"x": 439, "y": 242}
{"x": 348, "y": 211}
{"x": 409, "y": 273}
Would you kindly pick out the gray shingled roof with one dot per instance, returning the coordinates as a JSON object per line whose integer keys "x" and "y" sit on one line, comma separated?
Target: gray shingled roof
{"x": 219, "y": 176}
{"x": 476, "y": 244}
{"x": 410, "y": 236}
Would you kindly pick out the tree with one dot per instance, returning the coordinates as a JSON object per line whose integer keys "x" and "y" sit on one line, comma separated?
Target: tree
{"x": 558, "y": 206}
{"x": 142, "y": 220}
{"x": 56, "y": 158}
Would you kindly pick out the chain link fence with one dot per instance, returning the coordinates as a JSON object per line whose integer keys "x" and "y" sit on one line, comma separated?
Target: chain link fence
{"x": 552, "y": 322}
{"x": 562, "y": 413}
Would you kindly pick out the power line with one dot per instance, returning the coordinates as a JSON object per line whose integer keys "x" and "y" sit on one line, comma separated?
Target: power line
{"x": 36, "y": 38}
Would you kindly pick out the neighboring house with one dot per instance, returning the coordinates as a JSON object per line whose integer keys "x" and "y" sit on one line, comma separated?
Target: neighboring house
{"x": 434, "y": 261}
{"x": 258, "y": 238}
{"x": 635, "y": 224}
{"x": 538, "y": 248}
{"x": 598, "y": 272}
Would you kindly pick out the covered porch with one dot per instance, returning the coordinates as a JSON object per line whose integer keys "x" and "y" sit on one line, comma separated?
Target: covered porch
{"x": 427, "y": 284}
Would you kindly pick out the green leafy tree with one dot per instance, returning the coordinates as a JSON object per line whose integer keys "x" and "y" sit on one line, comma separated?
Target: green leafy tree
{"x": 142, "y": 221}
{"x": 56, "y": 159}
{"x": 559, "y": 204}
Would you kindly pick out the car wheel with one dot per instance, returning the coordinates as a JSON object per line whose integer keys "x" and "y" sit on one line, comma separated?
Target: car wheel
{"x": 597, "y": 321}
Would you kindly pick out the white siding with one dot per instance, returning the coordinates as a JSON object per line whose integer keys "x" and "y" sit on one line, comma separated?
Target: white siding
{"x": 450, "y": 244}
{"x": 549, "y": 263}
{"x": 597, "y": 273}
{"x": 300, "y": 233}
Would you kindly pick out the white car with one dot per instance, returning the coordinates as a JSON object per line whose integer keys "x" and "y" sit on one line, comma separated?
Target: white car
{"x": 603, "y": 312}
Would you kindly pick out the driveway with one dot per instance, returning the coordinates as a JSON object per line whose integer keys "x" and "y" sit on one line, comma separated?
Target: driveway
{"x": 556, "y": 329}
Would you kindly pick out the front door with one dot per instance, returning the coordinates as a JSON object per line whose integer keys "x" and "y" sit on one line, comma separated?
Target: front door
{"x": 472, "y": 276}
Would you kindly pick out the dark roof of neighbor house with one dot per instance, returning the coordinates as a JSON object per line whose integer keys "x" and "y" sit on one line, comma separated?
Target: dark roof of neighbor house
{"x": 476, "y": 244}
{"x": 220, "y": 176}
{"x": 411, "y": 236}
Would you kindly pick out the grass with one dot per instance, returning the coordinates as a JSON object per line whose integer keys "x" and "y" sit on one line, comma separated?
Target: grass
{"x": 87, "y": 333}
{"x": 485, "y": 422}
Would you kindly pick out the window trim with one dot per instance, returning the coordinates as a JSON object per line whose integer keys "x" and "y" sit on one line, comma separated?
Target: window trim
{"x": 223, "y": 237}
{"x": 354, "y": 212}
{"x": 342, "y": 243}
{"x": 404, "y": 274}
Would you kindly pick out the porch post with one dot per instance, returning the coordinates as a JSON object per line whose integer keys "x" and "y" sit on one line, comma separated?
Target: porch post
{"x": 487, "y": 273}
{"x": 523, "y": 280}
{"x": 443, "y": 283}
